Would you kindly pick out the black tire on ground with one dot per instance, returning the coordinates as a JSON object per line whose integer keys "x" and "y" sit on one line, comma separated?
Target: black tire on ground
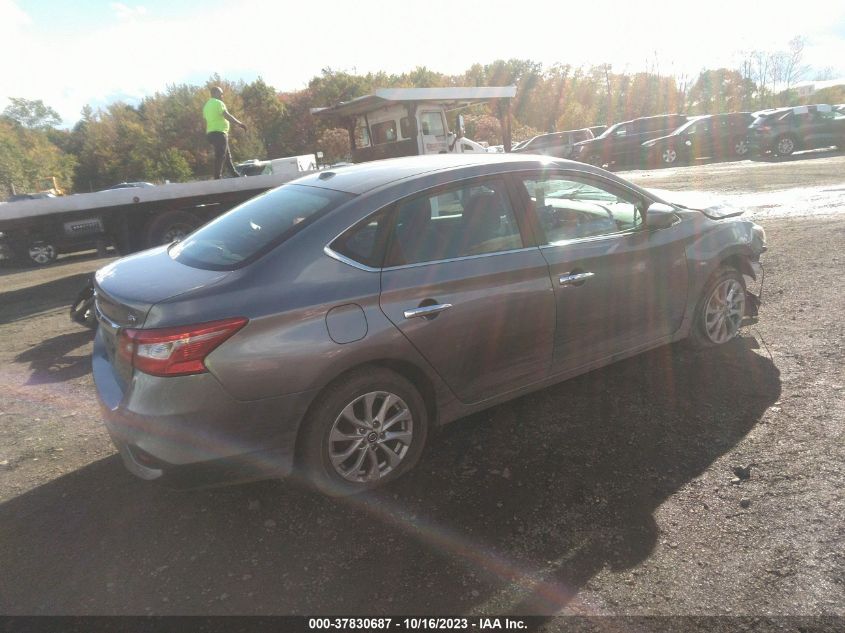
{"x": 316, "y": 444}
{"x": 82, "y": 310}
{"x": 595, "y": 160}
{"x": 169, "y": 227}
{"x": 698, "y": 336}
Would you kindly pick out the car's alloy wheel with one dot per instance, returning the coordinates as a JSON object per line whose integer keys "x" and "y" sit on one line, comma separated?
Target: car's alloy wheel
{"x": 720, "y": 309}
{"x": 371, "y": 437}
{"x": 364, "y": 430}
{"x": 42, "y": 253}
{"x": 724, "y": 310}
{"x": 669, "y": 156}
{"x": 741, "y": 147}
{"x": 785, "y": 146}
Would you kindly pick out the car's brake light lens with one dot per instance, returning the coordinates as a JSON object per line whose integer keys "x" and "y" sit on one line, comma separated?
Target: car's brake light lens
{"x": 177, "y": 351}
{"x": 765, "y": 128}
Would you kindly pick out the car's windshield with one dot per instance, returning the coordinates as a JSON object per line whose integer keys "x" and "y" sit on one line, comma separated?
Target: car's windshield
{"x": 687, "y": 127}
{"x": 612, "y": 130}
{"x": 253, "y": 228}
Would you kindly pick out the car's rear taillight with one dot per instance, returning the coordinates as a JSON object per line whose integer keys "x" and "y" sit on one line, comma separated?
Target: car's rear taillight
{"x": 176, "y": 351}
{"x": 764, "y": 128}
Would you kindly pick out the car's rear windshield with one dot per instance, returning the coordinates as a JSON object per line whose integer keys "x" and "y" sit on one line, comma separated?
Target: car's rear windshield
{"x": 255, "y": 227}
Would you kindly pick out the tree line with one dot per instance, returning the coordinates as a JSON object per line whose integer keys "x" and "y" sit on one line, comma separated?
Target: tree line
{"x": 163, "y": 137}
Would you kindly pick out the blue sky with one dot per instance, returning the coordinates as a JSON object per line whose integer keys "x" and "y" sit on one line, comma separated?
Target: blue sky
{"x": 95, "y": 52}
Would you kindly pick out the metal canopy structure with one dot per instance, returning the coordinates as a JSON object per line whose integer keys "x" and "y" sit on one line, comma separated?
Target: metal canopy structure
{"x": 449, "y": 98}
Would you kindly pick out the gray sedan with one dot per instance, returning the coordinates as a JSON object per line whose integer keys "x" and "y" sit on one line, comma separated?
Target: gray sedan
{"x": 325, "y": 327}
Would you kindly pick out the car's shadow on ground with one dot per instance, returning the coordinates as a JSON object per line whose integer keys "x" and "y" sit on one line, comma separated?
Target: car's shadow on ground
{"x": 510, "y": 511}
{"x": 824, "y": 152}
{"x": 52, "y": 361}
{"x": 16, "y": 305}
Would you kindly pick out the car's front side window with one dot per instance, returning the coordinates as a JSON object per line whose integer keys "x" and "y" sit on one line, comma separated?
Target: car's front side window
{"x": 569, "y": 209}
{"x": 459, "y": 221}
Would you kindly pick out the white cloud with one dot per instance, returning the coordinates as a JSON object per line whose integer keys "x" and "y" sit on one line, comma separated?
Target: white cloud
{"x": 125, "y": 12}
{"x": 288, "y": 43}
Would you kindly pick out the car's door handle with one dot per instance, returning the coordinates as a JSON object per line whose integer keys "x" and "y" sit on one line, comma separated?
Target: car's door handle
{"x": 427, "y": 311}
{"x": 575, "y": 279}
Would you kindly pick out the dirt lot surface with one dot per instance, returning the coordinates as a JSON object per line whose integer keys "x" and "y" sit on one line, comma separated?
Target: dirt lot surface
{"x": 610, "y": 493}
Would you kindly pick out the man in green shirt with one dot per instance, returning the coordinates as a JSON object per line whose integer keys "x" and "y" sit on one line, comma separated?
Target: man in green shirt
{"x": 217, "y": 120}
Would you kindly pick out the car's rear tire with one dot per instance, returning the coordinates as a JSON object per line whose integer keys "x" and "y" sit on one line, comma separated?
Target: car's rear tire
{"x": 741, "y": 148}
{"x": 720, "y": 309}
{"x": 785, "y": 145}
{"x": 36, "y": 252}
{"x": 366, "y": 429}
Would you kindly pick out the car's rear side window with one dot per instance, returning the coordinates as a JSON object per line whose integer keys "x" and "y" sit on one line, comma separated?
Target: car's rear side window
{"x": 255, "y": 227}
{"x": 364, "y": 243}
{"x": 465, "y": 220}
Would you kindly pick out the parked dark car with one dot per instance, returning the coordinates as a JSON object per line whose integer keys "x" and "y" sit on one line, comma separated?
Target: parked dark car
{"x": 786, "y": 130}
{"x": 30, "y": 196}
{"x": 716, "y": 136}
{"x": 328, "y": 325}
{"x": 558, "y": 144}
{"x": 620, "y": 144}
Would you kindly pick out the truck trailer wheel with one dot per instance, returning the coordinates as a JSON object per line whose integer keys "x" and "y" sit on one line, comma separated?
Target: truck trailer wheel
{"x": 36, "y": 252}
{"x": 170, "y": 227}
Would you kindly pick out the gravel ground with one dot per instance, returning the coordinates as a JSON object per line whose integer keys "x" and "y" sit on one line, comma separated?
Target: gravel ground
{"x": 608, "y": 494}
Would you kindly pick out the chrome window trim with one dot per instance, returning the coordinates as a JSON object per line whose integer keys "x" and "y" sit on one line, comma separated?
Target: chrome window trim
{"x": 459, "y": 259}
{"x": 346, "y": 260}
{"x": 590, "y": 238}
{"x": 351, "y": 262}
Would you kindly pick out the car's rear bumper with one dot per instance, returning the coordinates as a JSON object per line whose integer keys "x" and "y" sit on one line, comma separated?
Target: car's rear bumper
{"x": 189, "y": 426}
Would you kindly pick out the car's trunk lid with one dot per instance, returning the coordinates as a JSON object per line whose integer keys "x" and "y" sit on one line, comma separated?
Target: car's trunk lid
{"x": 127, "y": 289}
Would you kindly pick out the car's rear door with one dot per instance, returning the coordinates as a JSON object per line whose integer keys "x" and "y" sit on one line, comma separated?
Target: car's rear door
{"x": 464, "y": 284}
{"x": 629, "y": 146}
{"x": 618, "y": 286}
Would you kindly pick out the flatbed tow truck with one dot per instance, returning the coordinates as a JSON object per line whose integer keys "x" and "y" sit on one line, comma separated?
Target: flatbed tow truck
{"x": 34, "y": 232}
{"x": 391, "y": 122}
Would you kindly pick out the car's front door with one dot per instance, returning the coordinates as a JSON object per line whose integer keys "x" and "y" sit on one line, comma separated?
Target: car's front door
{"x": 463, "y": 287}
{"x": 618, "y": 285}
{"x": 829, "y": 128}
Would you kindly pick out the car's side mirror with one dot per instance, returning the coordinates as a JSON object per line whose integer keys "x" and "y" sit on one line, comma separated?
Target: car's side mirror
{"x": 659, "y": 216}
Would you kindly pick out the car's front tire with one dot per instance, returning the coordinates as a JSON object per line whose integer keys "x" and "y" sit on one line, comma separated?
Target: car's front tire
{"x": 366, "y": 429}
{"x": 720, "y": 310}
{"x": 669, "y": 156}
